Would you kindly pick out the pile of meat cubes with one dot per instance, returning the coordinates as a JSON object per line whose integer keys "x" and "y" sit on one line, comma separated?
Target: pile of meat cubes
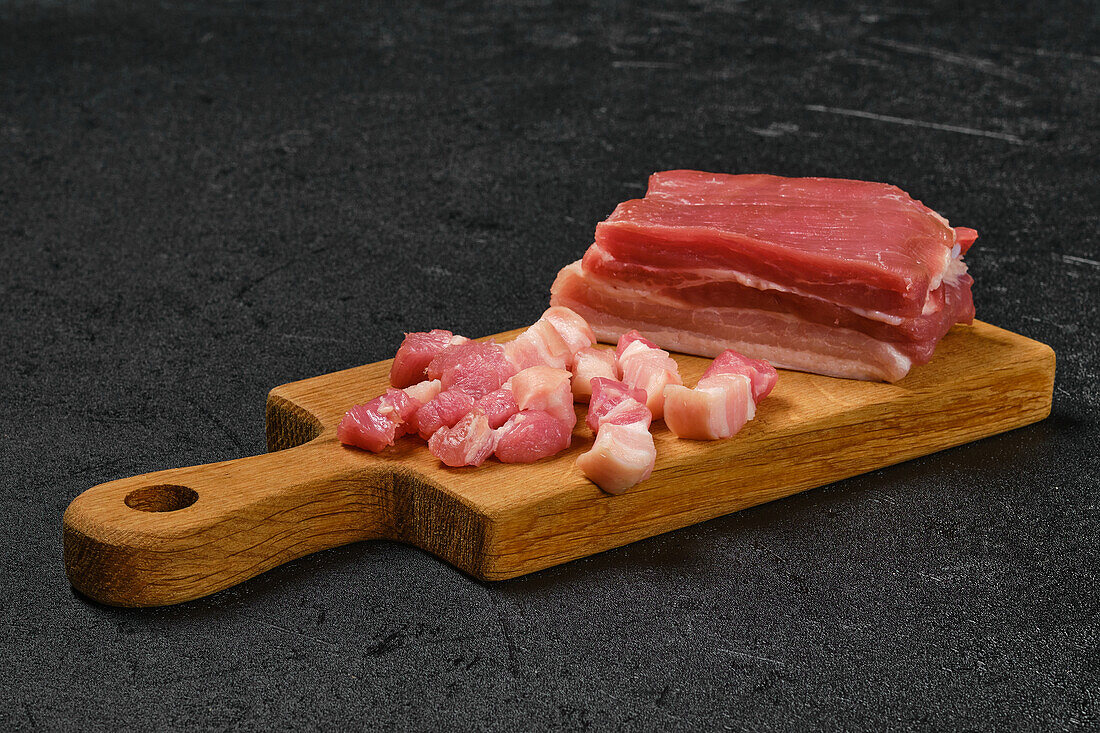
{"x": 472, "y": 400}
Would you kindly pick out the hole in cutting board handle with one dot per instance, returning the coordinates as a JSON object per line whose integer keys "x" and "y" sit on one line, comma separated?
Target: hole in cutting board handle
{"x": 161, "y": 498}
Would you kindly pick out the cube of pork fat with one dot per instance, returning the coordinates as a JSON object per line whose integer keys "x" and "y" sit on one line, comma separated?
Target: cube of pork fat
{"x": 589, "y": 363}
{"x": 573, "y": 329}
{"x": 540, "y": 344}
{"x": 474, "y": 367}
{"x": 531, "y": 435}
{"x": 645, "y": 367}
{"x": 762, "y": 374}
{"x": 552, "y": 340}
{"x": 718, "y": 407}
{"x": 622, "y": 456}
{"x": 468, "y": 443}
{"x": 410, "y": 363}
{"x": 381, "y": 421}
{"x": 547, "y": 389}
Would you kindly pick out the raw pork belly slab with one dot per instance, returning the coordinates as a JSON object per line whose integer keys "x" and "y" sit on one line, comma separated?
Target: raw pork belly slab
{"x": 837, "y": 277}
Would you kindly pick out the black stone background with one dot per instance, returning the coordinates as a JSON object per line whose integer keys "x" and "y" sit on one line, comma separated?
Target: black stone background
{"x": 200, "y": 201}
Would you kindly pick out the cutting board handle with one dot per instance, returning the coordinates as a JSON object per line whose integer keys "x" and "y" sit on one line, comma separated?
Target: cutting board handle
{"x": 180, "y": 534}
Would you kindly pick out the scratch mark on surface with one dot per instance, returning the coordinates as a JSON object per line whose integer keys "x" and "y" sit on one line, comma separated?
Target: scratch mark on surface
{"x": 1043, "y": 52}
{"x": 1070, "y": 259}
{"x": 918, "y": 123}
{"x": 297, "y": 633}
{"x": 435, "y": 270}
{"x": 751, "y": 656}
{"x": 645, "y": 65}
{"x": 976, "y": 63}
{"x": 303, "y": 337}
{"x": 253, "y": 282}
{"x": 224, "y": 429}
{"x": 775, "y": 129}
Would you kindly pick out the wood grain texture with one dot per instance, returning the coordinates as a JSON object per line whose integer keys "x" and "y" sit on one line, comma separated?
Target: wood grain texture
{"x": 215, "y": 525}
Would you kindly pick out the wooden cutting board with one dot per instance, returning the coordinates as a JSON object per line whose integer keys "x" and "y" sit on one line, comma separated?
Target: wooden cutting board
{"x": 180, "y": 534}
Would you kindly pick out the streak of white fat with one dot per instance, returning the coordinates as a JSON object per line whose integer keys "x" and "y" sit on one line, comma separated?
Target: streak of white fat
{"x": 424, "y": 391}
{"x": 626, "y": 405}
{"x": 780, "y": 357}
{"x": 637, "y": 348}
{"x": 733, "y": 385}
{"x": 718, "y": 424}
{"x": 483, "y": 432}
{"x": 632, "y": 443}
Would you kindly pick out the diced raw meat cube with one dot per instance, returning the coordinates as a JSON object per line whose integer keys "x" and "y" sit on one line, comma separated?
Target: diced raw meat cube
{"x": 718, "y": 407}
{"x": 622, "y": 456}
{"x": 573, "y": 329}
{"x": 650, "y": 369}
{"x": 444, "y": 410}
{"x": 378, "y": 423}
{"x": 416, "y": 352}
{"x": 547, "y": 389}
{"x": 364, "y": 428}
{"x": 540, "y": 344}
{"x": 612, "y": 399}
{"x": 498, "y": 406}
{"x": 474, "y": 367}
{"x": 468, "y": 443}
{"x": 550, "y": 341}
{"x": 762, "y": 374}
{"x": 531, "y": 435}
{"x": 589, "y": 363}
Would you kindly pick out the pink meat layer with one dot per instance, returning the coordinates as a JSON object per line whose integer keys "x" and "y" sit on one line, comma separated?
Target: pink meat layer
{"x": 474, "y": 367}
{"x": 882, "y": 253}
{"x": 785, "y": 340}
{"x": 692, "y": 187}
{"x": 410, "y": 363}
{"x": 948, "y": 304}
{"x": 531, "y": 435}
{"x": 621, "y": 456}
{"x": 468, "y": 443}
{"x": 761, "y": 375}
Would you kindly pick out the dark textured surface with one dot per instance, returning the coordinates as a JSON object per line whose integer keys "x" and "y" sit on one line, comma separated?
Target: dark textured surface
{"x": 201, "y": 201}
